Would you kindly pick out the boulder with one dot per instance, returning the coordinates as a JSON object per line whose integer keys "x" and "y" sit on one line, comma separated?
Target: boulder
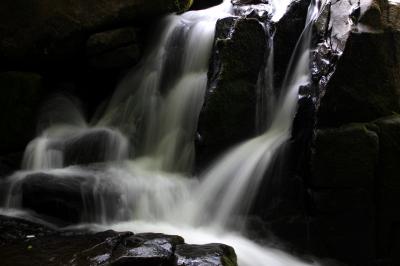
{"x": 228, "y": 114}
{"x": 21, "y": 94}
{"x": 210, "y": 254}
{"x": 344, "y": 157}
{"x": 70, "y": 198}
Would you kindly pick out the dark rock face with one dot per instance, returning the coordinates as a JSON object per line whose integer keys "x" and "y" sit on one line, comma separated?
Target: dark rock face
{"x": 388, "y": 187}
{"x": 345, "y": 157}
{"x": 229, "y": 110}
{"x": 21, "y": 94}
{"x": 113, "y": 49}
{"x": 203, "y": 4}
{"x": 69, "y": 198}
{"x": 49, "y": 30}
{"x": 372, "y": 60}
{"x": 287, "y": 32}
{"x": 24, "y": 243}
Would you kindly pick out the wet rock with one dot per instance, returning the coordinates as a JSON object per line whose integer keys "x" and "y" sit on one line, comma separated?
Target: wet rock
{"x": 113, "y": 49}
{"x": 127, "y": 249}
{"x": 344, "y": 157}
{"x": 70, "y": 198}
{"x": 228, "y": 115}
{"x": 203, "y": 4}
{"x": 23, "y": 243}
{"x": 17, "y": 229}
{"x": 373, "y": 90}
{"x": 21, "y": 94}
{"x": 210, "y": 254}
{"x": 287, "y": 32}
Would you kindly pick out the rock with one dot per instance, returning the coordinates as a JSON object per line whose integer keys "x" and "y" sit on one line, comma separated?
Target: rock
{"x": 148, "y": 249}
{"x": 372, "y": 14}
{"x": 389, "y": 149}
{"x": 203, "y": 4}
{"x": 21, "y": 95}
{"x": 113, "y": 49}
{"x": 345, "y": 237}
{"x": 390, "y": 12}
{"x": 343, "y": 201}
{"x": 47, "y": 31}
{"x": 95, "y": 145}
{"x": 23, "y": 243}
{"x": 249, "y": 2}
{"x": 210, "y": 254}
{"x": 105, "y": 41}
{"x": 287, "y": 32}
{"x": 387, "y": 187}
{"x": 344, "y": 157}
{"x": 75, "y": 146}
{"x": 70, "y": 198}
{"x": 373, "y": 90}
{"x": 228, "y": 114}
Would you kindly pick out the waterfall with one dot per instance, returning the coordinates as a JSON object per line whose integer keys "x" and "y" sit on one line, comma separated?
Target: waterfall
{"x": 146, "y": 140}
{"x": 230, "y": 185}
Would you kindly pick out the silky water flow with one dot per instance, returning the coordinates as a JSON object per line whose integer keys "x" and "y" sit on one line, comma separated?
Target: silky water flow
{"x": 157, "y": 105}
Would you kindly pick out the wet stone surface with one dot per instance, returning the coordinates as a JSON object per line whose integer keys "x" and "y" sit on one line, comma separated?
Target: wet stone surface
{"x": 28, "y": 243}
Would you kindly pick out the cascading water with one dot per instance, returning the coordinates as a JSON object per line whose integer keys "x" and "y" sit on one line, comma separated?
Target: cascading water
{"x": 157, "y": 106}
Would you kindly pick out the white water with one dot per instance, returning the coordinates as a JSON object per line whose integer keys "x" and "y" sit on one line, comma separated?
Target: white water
{"x": 157, "y": 106}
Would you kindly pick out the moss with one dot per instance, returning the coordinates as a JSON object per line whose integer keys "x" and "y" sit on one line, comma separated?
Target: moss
{"x": 182, "y": 5}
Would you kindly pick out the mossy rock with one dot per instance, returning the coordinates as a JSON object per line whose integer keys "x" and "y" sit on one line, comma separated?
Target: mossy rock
{"x": 21, "y": 95}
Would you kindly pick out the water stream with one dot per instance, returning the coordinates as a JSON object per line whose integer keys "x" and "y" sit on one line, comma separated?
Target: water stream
{"x": 157, "y": 105}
